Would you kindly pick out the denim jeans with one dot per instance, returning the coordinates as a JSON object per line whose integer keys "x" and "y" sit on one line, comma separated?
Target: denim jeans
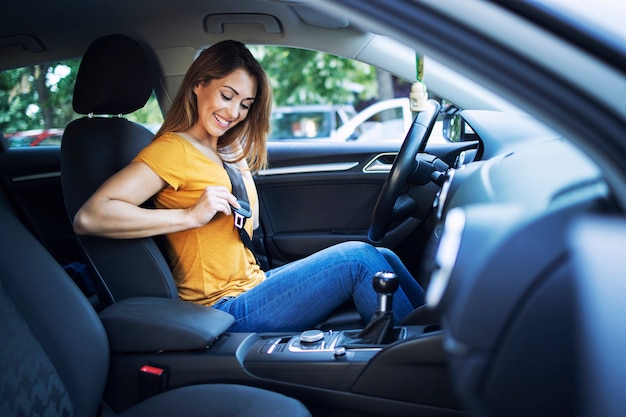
{"x": 299, "y": 295}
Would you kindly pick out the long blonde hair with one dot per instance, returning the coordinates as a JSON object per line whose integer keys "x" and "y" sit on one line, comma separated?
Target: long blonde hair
{"x": 247, "y": 140}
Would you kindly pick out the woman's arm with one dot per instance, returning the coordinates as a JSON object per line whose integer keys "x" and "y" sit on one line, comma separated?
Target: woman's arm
{"x": 114, "y": 209}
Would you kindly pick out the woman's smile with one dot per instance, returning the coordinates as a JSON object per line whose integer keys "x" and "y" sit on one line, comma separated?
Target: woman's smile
{"x": 224, "y": 102}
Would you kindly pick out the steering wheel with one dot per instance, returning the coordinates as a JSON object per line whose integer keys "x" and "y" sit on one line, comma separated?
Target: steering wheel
{"x": 403, "y": 166}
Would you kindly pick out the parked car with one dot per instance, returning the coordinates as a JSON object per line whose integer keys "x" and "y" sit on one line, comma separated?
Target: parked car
{"x": 515, "y": 227}
{"x": 386, "y": 120}
{"x": 40, "y": 137}
{"x": 314, "y": 121}
{"x": 383, "y": 120}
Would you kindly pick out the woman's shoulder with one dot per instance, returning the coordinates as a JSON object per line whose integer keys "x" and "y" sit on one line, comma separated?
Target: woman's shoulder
{"x": 168, "y": 143}
{"x": 173, "y": 137}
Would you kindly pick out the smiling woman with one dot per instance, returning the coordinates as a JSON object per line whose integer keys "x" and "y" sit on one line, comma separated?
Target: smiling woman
{"x": 527, "y": 319}
{"x": 219, "y": 117}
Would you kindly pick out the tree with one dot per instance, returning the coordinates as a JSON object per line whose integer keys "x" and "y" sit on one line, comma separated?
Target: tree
{"x": 300, "y": 76}
{"x": 40, "y": 97}
{"x": 37, "y": 97}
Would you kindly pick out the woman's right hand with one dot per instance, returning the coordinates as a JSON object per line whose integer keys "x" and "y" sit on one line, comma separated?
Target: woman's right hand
{"x": 213, "y": 200}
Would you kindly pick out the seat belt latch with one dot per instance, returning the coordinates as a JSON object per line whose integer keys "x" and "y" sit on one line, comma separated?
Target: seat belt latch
{"x": 241, "y": 214}
{"x": 239, "y": 220}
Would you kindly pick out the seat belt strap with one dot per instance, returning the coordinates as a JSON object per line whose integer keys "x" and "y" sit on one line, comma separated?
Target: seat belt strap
{"x": 240, "y": 192}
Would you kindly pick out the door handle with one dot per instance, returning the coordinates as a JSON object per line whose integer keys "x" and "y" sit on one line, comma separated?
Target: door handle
{"x": 381, "y": 163}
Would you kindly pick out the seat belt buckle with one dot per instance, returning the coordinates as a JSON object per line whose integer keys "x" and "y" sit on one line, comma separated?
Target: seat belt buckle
{"x": 241, "y": 214}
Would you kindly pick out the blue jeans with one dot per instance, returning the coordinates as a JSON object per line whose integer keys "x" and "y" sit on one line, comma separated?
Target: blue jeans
{"x": 299, "y": 295}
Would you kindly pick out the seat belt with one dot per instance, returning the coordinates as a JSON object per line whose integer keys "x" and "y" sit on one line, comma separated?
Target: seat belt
{"x": 244, "y": 213}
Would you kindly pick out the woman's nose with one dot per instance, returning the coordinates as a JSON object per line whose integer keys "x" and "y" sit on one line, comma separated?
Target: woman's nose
{"x": 233, "y": 110}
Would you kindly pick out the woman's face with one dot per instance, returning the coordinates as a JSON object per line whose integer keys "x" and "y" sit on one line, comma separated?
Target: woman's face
{"x": 224, "y": 102}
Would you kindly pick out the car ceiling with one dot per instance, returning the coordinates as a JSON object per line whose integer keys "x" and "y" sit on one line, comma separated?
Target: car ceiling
{"x": 164, "y": 25}
{"x": 175, "y": 34}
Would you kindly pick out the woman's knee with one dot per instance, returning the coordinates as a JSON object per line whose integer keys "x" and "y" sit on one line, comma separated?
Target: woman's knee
{"x": 354, "y": 246}
{"x": 362, "y": 255}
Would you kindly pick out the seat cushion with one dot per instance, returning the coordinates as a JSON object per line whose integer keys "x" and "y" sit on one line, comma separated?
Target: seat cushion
{"x": 30, "y": 384}
{"x": 218, "y": 400}
{"x": 63, "y": 337}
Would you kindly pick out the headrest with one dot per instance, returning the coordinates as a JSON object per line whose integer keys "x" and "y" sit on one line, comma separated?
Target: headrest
{"x": 113, "y": 77}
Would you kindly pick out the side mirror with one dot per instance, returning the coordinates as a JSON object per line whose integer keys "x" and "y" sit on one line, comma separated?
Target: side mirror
{"x": 453, "y": 127}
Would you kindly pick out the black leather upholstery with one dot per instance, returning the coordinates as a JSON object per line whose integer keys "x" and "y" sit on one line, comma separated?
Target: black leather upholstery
{"x": 114, "y": 79}
{"x": 148, "y": 324}
{"x": 55, "y": 354}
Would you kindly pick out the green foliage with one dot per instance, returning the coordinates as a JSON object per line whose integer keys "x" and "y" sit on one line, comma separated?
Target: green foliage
{"x": 37, "y": 97}
{"x": 150, "y": 114}
{"x": 300, "y": 76}
{"x": 40, "y": 96}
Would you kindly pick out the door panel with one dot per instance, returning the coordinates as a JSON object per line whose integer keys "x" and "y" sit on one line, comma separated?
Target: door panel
{"x": 316, "y": 194}
{"x": 32, "y": 179}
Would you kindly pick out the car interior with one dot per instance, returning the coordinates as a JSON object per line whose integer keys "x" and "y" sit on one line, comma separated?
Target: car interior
{"x": 147, "y": 327}
{"x": 513, "y": 230}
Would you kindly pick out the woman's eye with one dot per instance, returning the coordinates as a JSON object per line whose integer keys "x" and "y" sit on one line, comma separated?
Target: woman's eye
{"x": 245, "y": 106}
{"x": 225, "y": 97}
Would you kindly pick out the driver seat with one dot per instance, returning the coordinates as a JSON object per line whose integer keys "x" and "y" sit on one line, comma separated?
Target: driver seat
{"x": 114, "y": 79}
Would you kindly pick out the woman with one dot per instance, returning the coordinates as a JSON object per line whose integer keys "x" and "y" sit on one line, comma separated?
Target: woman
{"x": 221, "y": 115}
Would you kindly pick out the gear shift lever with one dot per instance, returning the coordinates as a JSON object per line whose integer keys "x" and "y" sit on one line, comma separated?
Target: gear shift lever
{"x": 385, "y": 284}
{"x": 380, "y": 328}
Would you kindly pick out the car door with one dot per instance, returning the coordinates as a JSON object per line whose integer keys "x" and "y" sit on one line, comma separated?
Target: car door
{"x": 316, "y": 194}
{"x": 31, "y": 177}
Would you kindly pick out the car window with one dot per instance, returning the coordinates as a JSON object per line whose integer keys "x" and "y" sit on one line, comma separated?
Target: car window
{"x": 295, "y": 123}
{"x": 36, "y": 104}
{"x": 321, "y": 97}
{"x": 317, "y": 96}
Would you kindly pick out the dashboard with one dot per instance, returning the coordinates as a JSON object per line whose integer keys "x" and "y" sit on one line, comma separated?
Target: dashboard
{"x": 500, "y": 263}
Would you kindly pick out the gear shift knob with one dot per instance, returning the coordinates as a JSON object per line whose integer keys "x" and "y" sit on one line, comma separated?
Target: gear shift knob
{"x": 385, "y": 284}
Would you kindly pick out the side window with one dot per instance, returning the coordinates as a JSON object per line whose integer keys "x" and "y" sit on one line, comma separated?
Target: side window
{"x": 303, "y": 122}
{"x": 319, "y": 96}
{"x": 36, "y": 104}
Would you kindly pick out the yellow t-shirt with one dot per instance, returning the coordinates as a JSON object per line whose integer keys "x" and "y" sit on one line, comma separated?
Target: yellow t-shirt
{"x": 208, "y": 262}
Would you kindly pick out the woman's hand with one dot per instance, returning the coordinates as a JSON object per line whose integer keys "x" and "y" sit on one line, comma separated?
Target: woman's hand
{"x": 213, "y": 200}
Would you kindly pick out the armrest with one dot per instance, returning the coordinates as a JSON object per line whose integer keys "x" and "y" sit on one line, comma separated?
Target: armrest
{"x": 149, "y": 324}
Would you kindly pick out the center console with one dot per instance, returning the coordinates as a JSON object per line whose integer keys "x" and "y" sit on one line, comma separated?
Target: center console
{"x": 362, "y": 369}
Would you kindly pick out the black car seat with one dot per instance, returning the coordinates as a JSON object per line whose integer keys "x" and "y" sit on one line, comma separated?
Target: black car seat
{"x": 55, "y": 352}
{"x": 114, "y": 79}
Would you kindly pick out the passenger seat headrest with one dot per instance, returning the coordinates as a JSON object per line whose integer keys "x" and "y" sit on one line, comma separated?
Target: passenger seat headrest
{"x": 113, "y": 78}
